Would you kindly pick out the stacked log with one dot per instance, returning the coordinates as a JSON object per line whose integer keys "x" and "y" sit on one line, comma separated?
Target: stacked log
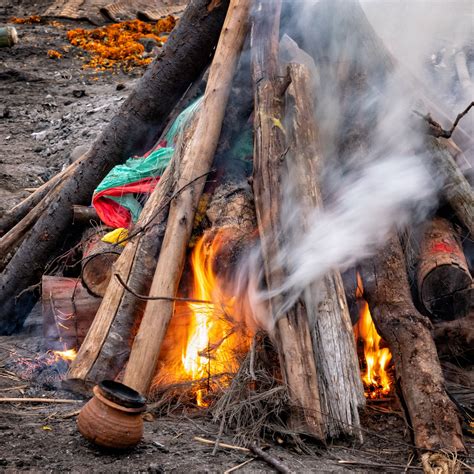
{"x": 68, "y": 311}
{"x": 417, "y": 368}
{"x": 98, "y": 258}
{"x": 313, "y": 338}
{"x": 444, "y": 281}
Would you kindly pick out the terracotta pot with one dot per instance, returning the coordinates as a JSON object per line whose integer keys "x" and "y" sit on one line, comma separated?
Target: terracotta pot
{"x": 112, "y": 418}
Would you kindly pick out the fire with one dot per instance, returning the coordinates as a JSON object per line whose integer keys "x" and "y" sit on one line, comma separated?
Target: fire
{"x": 206, "y": 335}
{"x": 68, "y": 355}
{"x": 376, "y": 378}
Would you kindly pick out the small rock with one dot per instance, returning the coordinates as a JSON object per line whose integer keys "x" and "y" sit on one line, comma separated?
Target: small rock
{"x": 120, "y": 86}
{"x": 78, "y": 93}
{"x": 7, "y": 113}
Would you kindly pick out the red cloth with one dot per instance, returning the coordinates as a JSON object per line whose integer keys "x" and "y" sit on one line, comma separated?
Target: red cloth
{"x": 111, "y": 212}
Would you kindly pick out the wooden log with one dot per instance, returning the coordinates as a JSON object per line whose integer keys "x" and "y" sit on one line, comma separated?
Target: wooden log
{"x": 97, "y": 260}
{"x": 107, "y": 344}
{"x": 456, "y": 189}
{"x": 339, "y": 378}
{"x": 85, "y": 215}
{"x": 444, "y": 281}
{"x": 292, "y": 334}
{"x": 14, "y": 237}
{"x": 132, "y": 131}
{"x": 68, "y": 311}
{"x": 232, "y": 210}
{"x": 11, "y": 218}
{"x": 105, "y": 352}
{"x": 146, "y": 346}
{"x": 432, "y": 414}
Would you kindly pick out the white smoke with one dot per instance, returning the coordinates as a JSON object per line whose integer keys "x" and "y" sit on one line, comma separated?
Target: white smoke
{"x": 383, "y": 186}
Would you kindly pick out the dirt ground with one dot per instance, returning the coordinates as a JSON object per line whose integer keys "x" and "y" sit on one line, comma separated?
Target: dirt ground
{"x": 50, "y": 110}
{"x": 43, "y": 437}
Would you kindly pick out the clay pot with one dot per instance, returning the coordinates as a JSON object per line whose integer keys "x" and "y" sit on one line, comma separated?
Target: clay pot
{"x": 112, "y": 418}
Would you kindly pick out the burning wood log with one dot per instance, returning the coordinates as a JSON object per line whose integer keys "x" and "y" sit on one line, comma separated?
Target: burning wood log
{"x": 97, "y": 260}
{"x": 292, "y": 334}
{"x": 146, "y": 346}
{"x": 232, "y": 209}
{"x": 432, "y": 414}
{"x": 444, "y": 281}
{"x": 68, "y": 311}
{"x": 338, "y": 372}
{"x": 185, "y": 55}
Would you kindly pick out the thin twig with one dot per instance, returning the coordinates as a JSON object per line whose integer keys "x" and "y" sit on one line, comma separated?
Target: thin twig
{"x": 437, "y": 130}
{"x": 252, "y": 358}
{"x": 270, "y": 460}
{"x": 153, "y": 298}
{"x": 232, "y": 469}
{"x": 376, "y": 465}
{"x": 222, "y": 445}
{"x": 39, "y": 400}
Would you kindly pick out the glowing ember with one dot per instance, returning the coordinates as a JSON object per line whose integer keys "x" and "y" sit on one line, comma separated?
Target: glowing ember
{"x": 375, "y": 375}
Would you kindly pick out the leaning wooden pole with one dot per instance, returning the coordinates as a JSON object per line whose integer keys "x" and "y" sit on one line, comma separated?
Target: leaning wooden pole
{"x": 197, "y": 160}
{"x": 101, "y": 356}
{"x": 432, "y": 414}
{"x": 132, "y": 131}
{"x": 292, "y": 333}
{"x": 107, "y": 347}
{"x": 340, "y": 384}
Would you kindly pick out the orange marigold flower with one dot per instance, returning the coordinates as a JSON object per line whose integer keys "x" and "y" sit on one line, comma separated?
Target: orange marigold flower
{"x": 53, "y": 54}
{"x": 27, "y": 20}
{"x": 118, "y": 45}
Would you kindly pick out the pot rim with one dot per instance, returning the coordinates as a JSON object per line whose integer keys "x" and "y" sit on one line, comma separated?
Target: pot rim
{"x": 99, "y": 395}
{"x": 121, "y": 394}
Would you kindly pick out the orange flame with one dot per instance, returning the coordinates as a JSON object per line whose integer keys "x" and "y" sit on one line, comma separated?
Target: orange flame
{"x": 376, "y": 378}
{"x": 68, "y": 355}
{"x": 214, "y": 335}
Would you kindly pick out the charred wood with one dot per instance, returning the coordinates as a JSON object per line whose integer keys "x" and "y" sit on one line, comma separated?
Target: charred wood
{"x": 68, "y": 311}
{"x": 85, "y": 215}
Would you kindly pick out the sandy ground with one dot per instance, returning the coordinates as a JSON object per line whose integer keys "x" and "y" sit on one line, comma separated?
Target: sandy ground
{"x": 50, "y": 110}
